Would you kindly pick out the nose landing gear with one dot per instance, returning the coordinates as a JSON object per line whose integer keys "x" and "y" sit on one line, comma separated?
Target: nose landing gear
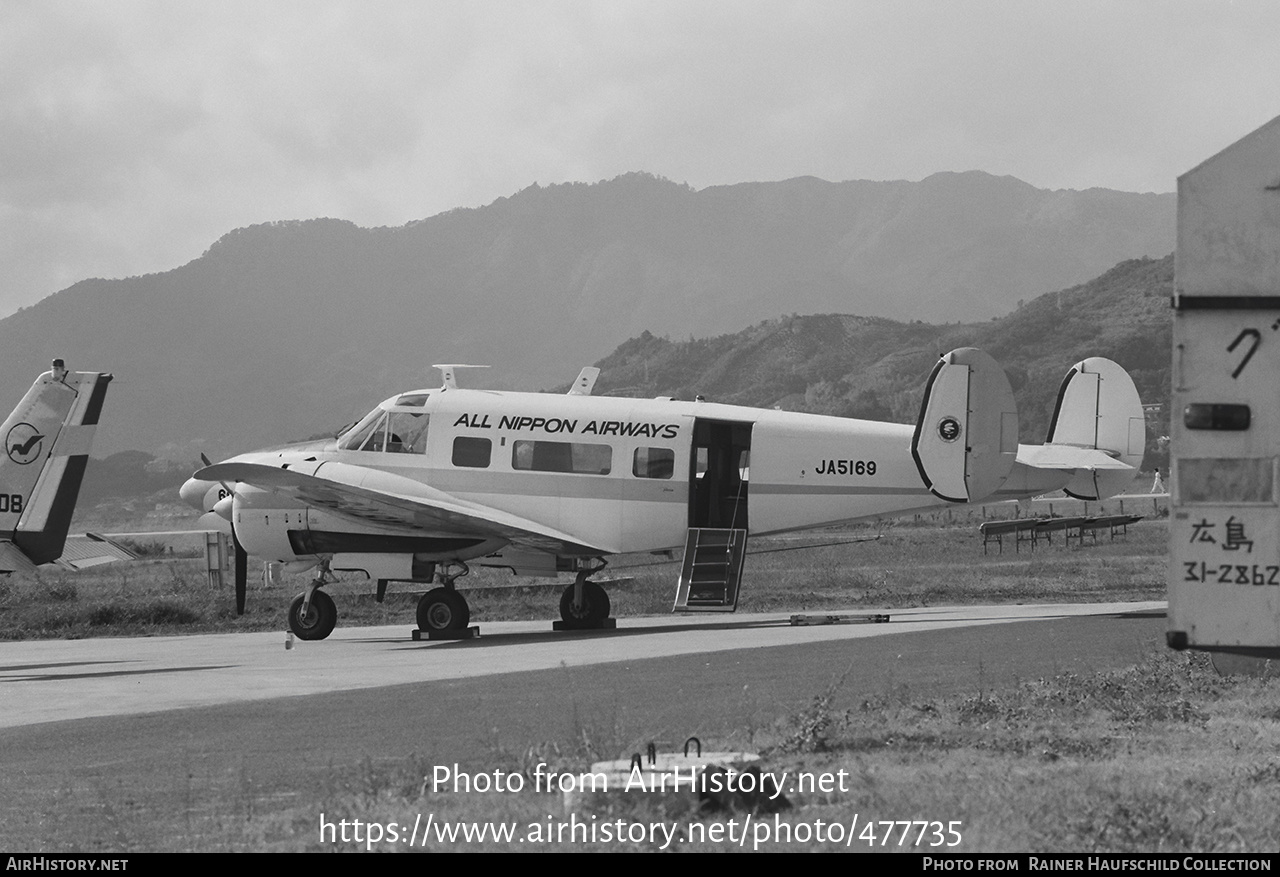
{"x": 312, "y": 614}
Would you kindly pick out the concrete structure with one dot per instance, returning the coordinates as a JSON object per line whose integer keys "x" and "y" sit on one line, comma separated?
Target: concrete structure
{"x": 1224, "y": 557}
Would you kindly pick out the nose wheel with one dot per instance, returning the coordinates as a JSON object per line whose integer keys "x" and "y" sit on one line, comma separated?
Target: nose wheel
{"x": 312, "y": 614}
{"x": 314, "y": 618}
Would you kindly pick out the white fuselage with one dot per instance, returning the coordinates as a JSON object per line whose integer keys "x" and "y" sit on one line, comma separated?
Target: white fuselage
{"x": 617, "y": 474}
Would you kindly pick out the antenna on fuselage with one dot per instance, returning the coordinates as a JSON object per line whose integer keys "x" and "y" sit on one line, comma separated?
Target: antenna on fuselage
{"x": 586, "y": 380}
{"x": 447, "y": 373}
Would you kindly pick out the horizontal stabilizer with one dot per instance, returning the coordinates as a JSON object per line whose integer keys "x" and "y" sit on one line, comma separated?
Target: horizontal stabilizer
{"x": 1067, "y": 457}
{"x": 82, "y": 552}
{"x": 13, "y": 560}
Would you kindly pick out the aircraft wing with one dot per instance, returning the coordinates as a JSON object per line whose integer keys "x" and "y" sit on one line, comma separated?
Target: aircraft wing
{"x": 378, "y": 497}
{"x": 1052, "y": 456}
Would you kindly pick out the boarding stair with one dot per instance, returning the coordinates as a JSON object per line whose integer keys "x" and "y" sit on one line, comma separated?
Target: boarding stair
{"x": 712, "y": 570}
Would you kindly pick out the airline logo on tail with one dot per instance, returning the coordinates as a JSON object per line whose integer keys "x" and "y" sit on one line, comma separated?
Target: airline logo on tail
{"x": 24, "y": 443}
{"x": 949, "y": 429}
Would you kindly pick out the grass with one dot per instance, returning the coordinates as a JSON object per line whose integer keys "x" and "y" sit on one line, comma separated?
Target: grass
{"x": 913, "y": 563}
{"x": 128, "y": 599}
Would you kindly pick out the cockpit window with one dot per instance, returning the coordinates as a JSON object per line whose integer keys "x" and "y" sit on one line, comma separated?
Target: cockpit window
{"x": 413, "y": 400}
{"x": 407, "y": 432}
{"x": 359, "y": 434}
{"x": 395, "y": 432}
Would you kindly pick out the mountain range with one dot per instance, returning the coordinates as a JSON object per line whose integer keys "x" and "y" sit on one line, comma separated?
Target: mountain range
{"x": 288, "y": 329}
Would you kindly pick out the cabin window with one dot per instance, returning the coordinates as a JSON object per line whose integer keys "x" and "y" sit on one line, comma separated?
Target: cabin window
{"x": 472, "y": 452}
{"x": 577, "y": 457}
{"x": 653, "y": 463}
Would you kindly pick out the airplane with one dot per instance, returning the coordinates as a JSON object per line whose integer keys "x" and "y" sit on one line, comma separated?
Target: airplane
{"x": 433, "y": 480}
{"x": 46, "y": 442}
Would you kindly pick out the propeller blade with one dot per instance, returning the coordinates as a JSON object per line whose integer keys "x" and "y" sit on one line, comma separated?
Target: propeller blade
{"x": 241, "y": 556}
{"x": 242, "y": 571}
{"x": 225, "y": 486}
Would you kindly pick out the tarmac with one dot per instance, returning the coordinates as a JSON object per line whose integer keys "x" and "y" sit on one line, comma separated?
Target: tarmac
{"x": 52, "y": 681}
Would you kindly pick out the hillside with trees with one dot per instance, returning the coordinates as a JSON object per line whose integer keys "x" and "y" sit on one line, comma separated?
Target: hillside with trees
{"x": 876, "y": 368}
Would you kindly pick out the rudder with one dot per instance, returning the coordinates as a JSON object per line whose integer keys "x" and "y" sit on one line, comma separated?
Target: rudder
{"x": 966, "y": 439}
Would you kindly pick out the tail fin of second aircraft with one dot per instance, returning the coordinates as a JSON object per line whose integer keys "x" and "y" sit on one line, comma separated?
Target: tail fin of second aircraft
{"x": 46, "y": 444}
{"x": 966, "y": 440}
{"x": 1098, "y": 420}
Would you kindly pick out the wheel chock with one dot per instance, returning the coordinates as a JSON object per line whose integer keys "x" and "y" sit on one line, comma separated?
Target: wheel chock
{"x": 603, "y": 624}
{"x": 472, "y": 632}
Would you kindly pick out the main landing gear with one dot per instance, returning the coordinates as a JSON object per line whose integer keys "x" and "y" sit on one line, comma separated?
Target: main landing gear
{"x": 312, "y": 614}
{"x": 443, "y": 610}
{"x": 584, "y": 605}
{"x": 443, "y": 613}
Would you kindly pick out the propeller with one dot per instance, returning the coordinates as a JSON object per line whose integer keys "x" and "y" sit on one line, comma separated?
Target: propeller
{"x": 242, "y": 564}
{"x": 241, "y": 557}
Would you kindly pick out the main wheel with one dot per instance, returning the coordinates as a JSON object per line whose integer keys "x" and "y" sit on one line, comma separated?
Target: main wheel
{"x": 595, "y": 604}
{"x": 320, "y": 620}
{"x": 443, "y": 609}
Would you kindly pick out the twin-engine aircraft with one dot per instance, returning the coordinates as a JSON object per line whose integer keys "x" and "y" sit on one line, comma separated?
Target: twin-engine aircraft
{"x": 432, "y": 480}
{"x": 46, "y": 449}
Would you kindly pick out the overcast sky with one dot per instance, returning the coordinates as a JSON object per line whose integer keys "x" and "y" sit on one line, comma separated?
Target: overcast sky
{"x": 134, "y": 134}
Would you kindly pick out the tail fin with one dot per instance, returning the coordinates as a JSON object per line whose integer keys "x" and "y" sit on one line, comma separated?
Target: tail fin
{"x": 1098, "y": 410}
{"x": 966, "y": 440}
{"x": 46, "y": 443}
